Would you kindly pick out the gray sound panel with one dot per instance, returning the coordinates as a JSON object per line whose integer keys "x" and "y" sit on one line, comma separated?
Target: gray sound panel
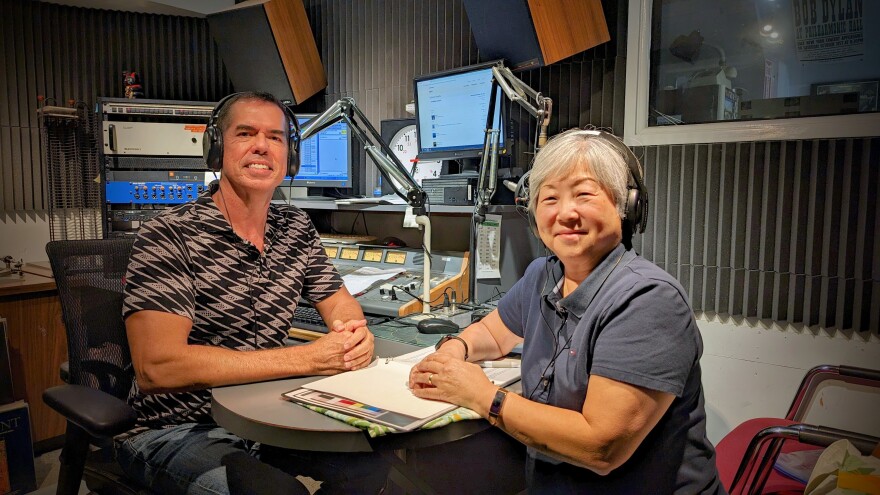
{"x": 781, "y": 231}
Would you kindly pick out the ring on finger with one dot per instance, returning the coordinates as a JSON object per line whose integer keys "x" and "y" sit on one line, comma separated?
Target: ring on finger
{"x": 430, "y": 375}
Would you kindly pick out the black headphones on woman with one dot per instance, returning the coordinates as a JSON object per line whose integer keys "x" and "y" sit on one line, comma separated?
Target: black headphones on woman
{"x": 212, "y": 139}
{"x": 636, "y": 207}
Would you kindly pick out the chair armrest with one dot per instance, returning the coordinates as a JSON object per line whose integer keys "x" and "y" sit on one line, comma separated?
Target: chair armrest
{"x": 824, "y": 436}
{"x": 98, "y": 413}
{"x": 757, "y": 463}
{"x": 64, "y": 371}
{"x": 861, "y": 373}
{"x": 810, "y": 383}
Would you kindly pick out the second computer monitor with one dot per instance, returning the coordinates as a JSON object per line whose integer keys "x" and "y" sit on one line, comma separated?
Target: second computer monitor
{"x": 325, "y": 158}
{"x": 451, "y": 111}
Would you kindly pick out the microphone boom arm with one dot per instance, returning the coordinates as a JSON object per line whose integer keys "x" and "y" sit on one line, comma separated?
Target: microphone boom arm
{"x": 521, "y": 93}
{"x": 346, "y": 110}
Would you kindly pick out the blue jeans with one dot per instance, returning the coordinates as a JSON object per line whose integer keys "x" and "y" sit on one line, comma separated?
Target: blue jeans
{"x": 203, "y": 459}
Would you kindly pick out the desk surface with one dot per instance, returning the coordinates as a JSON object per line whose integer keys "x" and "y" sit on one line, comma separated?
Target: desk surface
{"x": 312, "y": 204}
{"x": 11, "y": 285}
{"x": 257, "y": 412}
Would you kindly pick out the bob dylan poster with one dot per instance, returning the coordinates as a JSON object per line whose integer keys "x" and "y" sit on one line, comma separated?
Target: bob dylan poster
{"x": 828, "y": 29}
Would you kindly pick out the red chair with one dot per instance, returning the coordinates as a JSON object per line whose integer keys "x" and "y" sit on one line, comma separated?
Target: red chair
{"x": 746, "y": 455}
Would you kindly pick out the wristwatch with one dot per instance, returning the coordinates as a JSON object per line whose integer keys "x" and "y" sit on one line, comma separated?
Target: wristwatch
{"x": 497, "y": 404}
{"x": 446, "y": 338}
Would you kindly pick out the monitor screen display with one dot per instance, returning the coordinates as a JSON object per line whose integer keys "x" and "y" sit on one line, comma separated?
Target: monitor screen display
{"x": 451, "y": 111}
{"x": 325, "y": 158}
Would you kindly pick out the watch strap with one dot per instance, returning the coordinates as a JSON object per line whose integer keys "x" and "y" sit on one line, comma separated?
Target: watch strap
{"x": 447, "y": 338}
{"x": 497, "y": 405}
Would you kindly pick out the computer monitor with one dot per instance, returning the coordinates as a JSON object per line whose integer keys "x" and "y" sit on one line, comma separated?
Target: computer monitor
{"x": 451, "y": 111}
{"x": 325, "y": 160}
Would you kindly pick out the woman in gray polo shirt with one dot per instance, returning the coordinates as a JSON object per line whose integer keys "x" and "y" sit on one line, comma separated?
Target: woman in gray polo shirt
{"x": 611, "y": 395}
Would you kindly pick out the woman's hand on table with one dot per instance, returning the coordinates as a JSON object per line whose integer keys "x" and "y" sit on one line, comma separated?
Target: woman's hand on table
{"x": 443, "y": 377}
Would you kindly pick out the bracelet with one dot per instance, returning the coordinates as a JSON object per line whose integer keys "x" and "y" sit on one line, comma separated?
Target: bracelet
{"x": 497, "y": 404}
{"x": 447, "y": 338}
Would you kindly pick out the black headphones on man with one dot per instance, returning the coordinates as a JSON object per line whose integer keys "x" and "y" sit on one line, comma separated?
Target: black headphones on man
{"x": 636, "y": 209}
{"x": 212, "y": 139}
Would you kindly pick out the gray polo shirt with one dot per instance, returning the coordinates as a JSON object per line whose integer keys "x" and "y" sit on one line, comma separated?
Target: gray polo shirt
{"x": 629, "y": 321}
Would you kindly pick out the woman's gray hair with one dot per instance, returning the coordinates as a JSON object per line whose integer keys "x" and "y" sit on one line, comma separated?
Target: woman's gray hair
{"x": 580, "y": 149}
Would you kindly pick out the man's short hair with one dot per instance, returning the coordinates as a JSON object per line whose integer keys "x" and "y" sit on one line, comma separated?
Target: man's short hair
{"x": 223, "y": 115}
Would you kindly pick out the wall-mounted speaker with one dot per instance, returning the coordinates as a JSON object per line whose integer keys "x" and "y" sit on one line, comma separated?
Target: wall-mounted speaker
{"x": 533, "y": 33}
{"x": 268, "y": 45}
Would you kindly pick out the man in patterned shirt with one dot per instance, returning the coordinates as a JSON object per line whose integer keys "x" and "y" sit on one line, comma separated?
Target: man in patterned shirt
{"x": 210, "y": 292}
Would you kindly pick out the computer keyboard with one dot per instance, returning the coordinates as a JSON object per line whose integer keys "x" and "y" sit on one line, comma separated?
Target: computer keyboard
{"x": 308, "y": 318}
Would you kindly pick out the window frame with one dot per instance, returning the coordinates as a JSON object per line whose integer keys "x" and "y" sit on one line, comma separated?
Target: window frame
{"x": 638, "y": 133}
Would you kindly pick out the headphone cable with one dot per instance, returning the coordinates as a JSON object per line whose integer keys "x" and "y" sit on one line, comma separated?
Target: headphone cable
{"x": 570, "y": 337}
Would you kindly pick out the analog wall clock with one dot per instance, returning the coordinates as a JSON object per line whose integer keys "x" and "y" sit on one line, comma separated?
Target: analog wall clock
{"x": 402, "y": 138}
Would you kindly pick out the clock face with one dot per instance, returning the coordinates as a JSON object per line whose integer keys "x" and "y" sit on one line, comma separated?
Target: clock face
{"x": 405, "y": 145}
{"x": 402, "y": 139}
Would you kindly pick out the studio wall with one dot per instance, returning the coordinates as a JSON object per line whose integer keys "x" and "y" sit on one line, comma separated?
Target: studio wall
{"x": 770, "y": 231}
{"x": 72, "y": 55}
{"x": 778, "y": 232}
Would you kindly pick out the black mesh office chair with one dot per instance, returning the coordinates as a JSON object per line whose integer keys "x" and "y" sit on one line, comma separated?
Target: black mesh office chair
{"x": 90, "y": 277}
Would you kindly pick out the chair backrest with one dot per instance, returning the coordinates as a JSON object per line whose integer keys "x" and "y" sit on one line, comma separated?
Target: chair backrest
{"x": 753, "y": 446}
{"x": 90, "y": 275}
{"x": 814, "y": 377}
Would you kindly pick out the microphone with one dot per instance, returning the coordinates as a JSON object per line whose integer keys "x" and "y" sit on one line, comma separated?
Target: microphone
{"x": 561, "y": 311}
{"x": 558, "y": 308}
{"x": 510, "y": 185}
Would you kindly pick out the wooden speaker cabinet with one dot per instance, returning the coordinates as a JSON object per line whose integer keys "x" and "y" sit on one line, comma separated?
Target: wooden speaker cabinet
{"x": 533, "y": 33}
{"x": 268, "y": 45}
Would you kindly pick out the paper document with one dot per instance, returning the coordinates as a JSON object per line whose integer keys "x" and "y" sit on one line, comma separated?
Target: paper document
{"x": 362, "y": 278}
{"x": 384, "y": 385}
{"x": 489, "y": 248}
{"x": 383, "y": 389}
{"x": 388, "y": 199}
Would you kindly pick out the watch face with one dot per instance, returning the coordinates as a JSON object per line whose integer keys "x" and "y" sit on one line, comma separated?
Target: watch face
{"x": 405, "y": 145}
